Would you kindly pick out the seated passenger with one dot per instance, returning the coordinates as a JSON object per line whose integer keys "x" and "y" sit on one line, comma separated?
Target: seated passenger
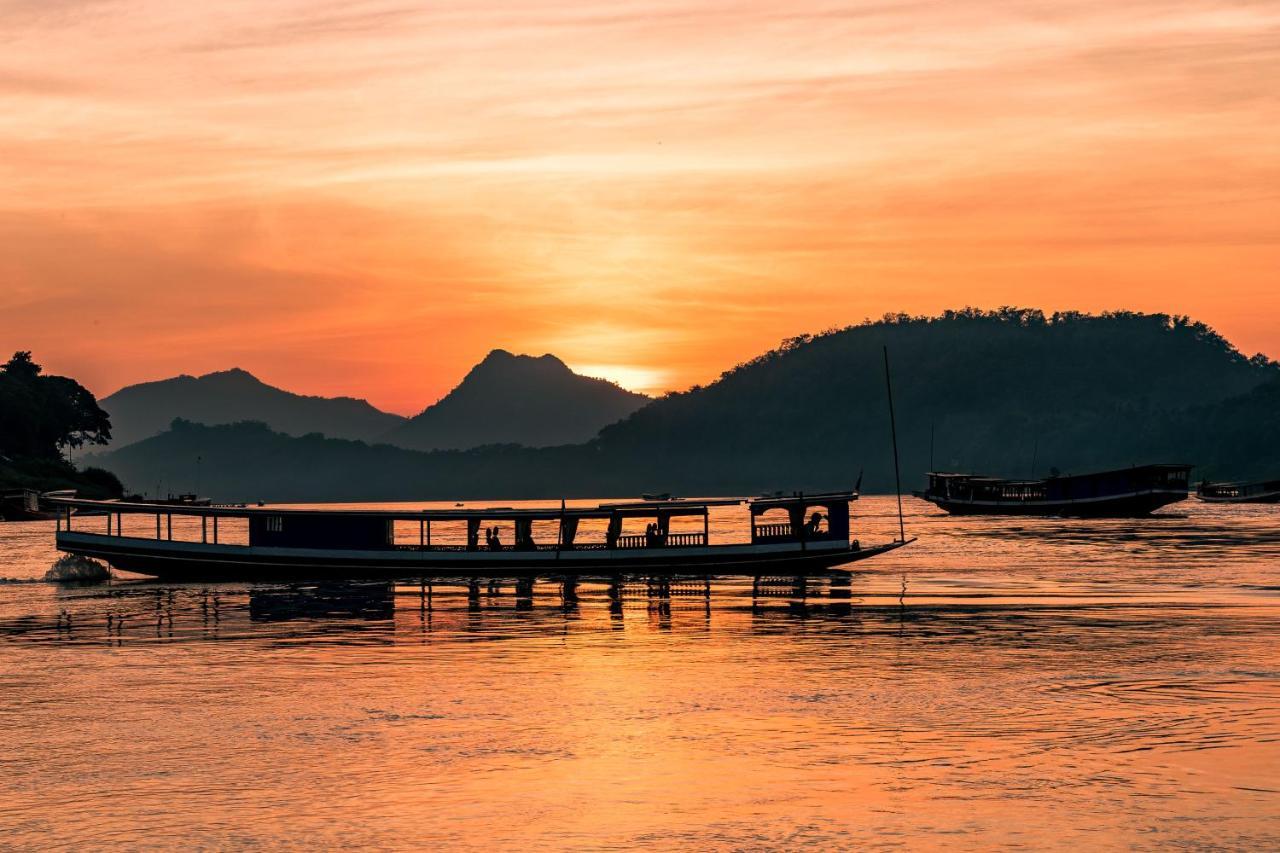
{"x": 495, "y": 540}
{"x": 815, "y": 524}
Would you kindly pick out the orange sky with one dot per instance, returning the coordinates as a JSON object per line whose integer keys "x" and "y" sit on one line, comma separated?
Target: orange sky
{"x": 363, "y": 198}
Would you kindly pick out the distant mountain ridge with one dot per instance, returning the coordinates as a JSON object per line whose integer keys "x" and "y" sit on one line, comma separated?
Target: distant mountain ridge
{"x": 1009, "y": 392}
{"x": 518, "y": 399}
{"x": 230, "y": 396}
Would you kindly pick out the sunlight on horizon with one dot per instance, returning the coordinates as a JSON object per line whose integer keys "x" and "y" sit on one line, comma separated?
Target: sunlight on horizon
{"x": 642, "y": 380}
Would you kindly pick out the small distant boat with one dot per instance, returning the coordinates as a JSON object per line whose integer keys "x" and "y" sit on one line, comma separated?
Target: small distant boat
{"x": 1266, "y": 492}
{"x": 1124, "y": 493}
{"x": 188, "y": 499}
{"x": 30, "y": 504}
{"x": 656, "y": 496}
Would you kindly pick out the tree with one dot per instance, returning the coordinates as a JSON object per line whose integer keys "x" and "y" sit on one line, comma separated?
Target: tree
{"x": 41, "y": 415}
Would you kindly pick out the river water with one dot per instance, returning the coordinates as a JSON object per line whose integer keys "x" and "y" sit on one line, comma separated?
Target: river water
{"x": 1035, "y": 683}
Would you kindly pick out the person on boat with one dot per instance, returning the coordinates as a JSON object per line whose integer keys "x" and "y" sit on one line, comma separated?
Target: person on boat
{"x": 651, "y": 535}
{"x": 495, "y": 540}
{"x": 814, "y": 525}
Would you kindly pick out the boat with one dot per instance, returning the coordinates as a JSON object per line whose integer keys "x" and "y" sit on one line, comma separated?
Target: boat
{"x": 791, "y": 535}
{"x": 30, "y": 504}
{"x": 1265, "y": 492}
{"x": 185, "y": 499}
{"x": 656, "y": 496}
{"x": 1123, "y": 493}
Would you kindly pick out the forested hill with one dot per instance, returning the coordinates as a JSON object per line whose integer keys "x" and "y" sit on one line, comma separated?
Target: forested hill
{"x": 1010, "y": 392}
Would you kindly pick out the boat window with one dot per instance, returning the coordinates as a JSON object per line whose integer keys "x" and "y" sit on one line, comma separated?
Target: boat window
{"x": 275, "y": 524}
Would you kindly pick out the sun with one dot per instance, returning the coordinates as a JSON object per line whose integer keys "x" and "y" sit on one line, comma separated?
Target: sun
{"x": 646, "y": 380}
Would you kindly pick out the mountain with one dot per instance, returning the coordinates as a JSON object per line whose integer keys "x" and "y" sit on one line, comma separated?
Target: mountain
{"x": 518, "y": 399}
{"x": 1010, "y": 392}
{"x": 228, "y": 396}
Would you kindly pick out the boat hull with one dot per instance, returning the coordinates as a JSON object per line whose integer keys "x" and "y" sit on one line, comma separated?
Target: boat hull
{"x": 1264, "y": 498}
{"x": 1133, "y": 505}
{"x": 193, "y": 561}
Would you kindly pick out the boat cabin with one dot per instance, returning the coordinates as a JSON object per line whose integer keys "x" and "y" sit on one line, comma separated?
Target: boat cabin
{"x": 801, "y": 518}
{"x": 370, "y": 530}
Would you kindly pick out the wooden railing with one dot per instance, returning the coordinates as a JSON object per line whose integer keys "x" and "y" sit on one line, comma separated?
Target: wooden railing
{"x": 772, "y": 531}
{"x": 541, "y": 546}
{"x": 670, "y": 540}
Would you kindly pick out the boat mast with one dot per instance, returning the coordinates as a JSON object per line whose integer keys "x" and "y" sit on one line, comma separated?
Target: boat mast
{"x": 893, "y": 431}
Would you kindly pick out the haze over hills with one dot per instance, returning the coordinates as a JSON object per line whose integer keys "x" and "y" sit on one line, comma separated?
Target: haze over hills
{"x": 518, "y": 399}
{"x": 1008, "y": 392}
{"x": 229, "y": 396}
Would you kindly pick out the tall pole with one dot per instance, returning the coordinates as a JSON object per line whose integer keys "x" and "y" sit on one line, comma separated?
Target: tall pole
{"x": 893, "y": 431}
{"x": 560, "y": 532}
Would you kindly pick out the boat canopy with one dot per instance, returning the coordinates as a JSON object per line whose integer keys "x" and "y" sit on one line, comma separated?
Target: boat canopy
{"x": 638, "y": 509}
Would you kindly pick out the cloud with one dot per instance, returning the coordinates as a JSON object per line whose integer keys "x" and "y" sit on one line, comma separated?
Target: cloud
{"x": 338, "y": 190}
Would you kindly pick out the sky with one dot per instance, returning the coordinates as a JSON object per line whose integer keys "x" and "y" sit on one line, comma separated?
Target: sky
{"x": 364, "y": 198}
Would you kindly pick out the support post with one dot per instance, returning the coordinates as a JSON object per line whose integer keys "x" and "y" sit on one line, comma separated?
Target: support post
{"x": 168, "y": 525}
{"x": 421, "y": 536}
{"x": 204, "y": 529}
{"x": 706, "y": 526}
{"x": 215, "y": 530}
{"x": 560, "y": 532}
{"x": 157, "y": 525}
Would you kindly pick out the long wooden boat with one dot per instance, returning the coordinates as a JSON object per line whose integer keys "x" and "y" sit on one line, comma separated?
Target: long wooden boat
{"x": 1266, "y": 492}
{"x": 1124, "y": 493}
{"x": 799, "y": 533}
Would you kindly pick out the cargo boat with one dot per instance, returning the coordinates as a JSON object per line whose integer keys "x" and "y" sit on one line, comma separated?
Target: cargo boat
{"x": 1267, "y": 492}
{"x": 1123, "y": 493}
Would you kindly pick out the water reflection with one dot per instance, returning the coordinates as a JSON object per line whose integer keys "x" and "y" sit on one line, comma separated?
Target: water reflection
{"x": 337, "y": 601}
{"x": 1032, "y": 684}
{"x": 502, "y": 608}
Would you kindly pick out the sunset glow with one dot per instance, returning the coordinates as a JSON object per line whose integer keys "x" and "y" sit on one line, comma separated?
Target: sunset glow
{"x": 364, "y": 198}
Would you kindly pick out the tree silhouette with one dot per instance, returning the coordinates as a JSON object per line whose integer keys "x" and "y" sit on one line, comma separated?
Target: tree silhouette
{"x": 41, "y": 415}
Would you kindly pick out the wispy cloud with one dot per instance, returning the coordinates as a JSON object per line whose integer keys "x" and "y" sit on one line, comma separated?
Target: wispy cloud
{"x": 665, "y": 185}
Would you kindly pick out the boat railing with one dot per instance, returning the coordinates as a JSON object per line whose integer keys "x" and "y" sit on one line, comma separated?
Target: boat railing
{"x": 624, "y": 542}
{"x": 669, "y": 540}
{"x": 771, "y": 531}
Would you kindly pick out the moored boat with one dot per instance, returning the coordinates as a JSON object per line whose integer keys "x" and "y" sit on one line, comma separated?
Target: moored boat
{"x": 1264, "y": 492}
{"x": 799, "y": 533}
{"x": 1123, "y": 493}
{"x": 31, "y": 505}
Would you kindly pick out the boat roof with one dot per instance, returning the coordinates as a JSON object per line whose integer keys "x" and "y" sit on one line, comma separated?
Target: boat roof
{"x": 493, "y": 513}
{"x": 984, "y": 478}
{"x": 804, "y": 498}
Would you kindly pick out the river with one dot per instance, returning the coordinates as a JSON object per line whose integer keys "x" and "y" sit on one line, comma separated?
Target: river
{"x": 1013, "y": 682}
